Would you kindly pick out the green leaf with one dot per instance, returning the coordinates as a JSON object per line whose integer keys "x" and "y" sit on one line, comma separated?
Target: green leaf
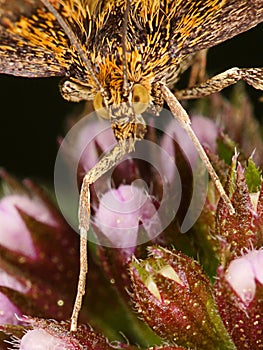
{"x": 225, "y": 148}
{"x": 253, "y": 176}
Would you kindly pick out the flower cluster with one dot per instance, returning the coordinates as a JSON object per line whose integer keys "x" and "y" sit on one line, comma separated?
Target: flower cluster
{"x": 150, "y": 285}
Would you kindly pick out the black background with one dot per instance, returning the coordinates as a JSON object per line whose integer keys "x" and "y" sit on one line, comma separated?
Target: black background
{"x": 33, "y": 112}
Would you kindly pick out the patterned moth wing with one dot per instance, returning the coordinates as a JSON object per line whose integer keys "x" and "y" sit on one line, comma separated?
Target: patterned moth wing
{"x": 13, "y": 9}
{"x": 160, "y": 34}
{"x": 160, "y": 37}
{"x": 202, "y": 24}
{"x": 32, "y": 43}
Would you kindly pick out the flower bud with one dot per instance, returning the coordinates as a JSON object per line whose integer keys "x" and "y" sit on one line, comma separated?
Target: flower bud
{"x": 44, "y": 334}
{"x": 239, "y": 294}
{"x": 88, "y": 141}
{"x": 243, "y": 273}
{"x": 39, "y": 255}
{"x": 8, "y": 311}
{"x": 206, "y": 132}
{"x": 14, "y": 233}
{"x": 125, "y": 218}
{"x": 123, "y": 213}
{"x": 175, "y": 298}
{"x": 91, "y": 138}
{"x": 242, "y": 229}
{"x": 43, "y": 340}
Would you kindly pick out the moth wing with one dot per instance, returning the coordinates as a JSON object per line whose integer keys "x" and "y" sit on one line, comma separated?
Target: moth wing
{"x": 32, "y": 43}
{"x": 16, "y": 8}
{"x": 202, "y": 24}
{"x": 21, "y": 59}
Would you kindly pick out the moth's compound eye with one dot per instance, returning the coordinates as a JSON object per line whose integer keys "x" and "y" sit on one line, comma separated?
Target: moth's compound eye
{"x": 99, "y": 106}
{"x": 140, "y": 98}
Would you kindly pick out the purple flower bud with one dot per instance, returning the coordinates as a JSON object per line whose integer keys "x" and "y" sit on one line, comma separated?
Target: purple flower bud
{"x": 42, "y": 340}
{"x": 9, "y": 281}
{"x": 8, "y": 311}
{"x": 243, "y": 229}
{"x": 36, "y": 276}
{"x": 239, "y": 294}
{"x": 126, "y": 217}
{"x": 243, "y": 273}
{"x": 101, "y": 136}
{"x": 175, "y": 298}
{"x": 206, "y": 132}
{"x": 49, "y": 334}
{"x": 123, "y": 213}
{"x": 14, "y": 233}
{"x": 88, "y": 140}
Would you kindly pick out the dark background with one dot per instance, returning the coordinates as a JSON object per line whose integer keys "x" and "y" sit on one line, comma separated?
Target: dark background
{"x": 33, "y": 112}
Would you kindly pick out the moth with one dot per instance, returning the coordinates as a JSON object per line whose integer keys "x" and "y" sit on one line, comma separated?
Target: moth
{"x": 126, "y": 56}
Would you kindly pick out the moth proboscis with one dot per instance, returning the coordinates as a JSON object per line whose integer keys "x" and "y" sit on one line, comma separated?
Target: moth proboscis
{"x": 126, "y": 56}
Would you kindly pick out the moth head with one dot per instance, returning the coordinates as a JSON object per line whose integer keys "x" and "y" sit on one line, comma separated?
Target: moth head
{"x": 139, "y": 98}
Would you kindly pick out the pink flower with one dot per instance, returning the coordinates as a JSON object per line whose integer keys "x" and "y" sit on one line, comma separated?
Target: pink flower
{"x": 206, "y": 132}
{"x": 14, "y": 233}
{"x": 238, "y": 292}
{"x": 9, "y": 281}
{"x": 49, "y": 334}
{"x": 122, "y": 213}
{"x": 91, "y": 137}
{"x": 8, "y": 311}
{"x": 42, "y": 340}
{"x": 243, "y": 273}
{"x": 35, "y": 273}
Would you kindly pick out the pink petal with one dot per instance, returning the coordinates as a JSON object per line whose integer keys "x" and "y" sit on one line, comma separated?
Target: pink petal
{"x": 255, "y": 257}
{"x": 206, "y": 132}
{"x": 14, "y": 234}
{"x": 87, "y": 137}
{"x": 240, "y": 276}
{"x": 8, "y": 311}
{"x": 9, "y": 281}
{"x": 120, "y": 213}
{"x": 38, "y": 339}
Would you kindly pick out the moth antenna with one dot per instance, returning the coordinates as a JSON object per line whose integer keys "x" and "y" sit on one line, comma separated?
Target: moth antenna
{"x": 74, "y": 42}
{"x": 124, "y": 50}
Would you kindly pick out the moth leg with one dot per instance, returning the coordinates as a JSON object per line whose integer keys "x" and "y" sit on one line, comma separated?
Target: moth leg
{"x": 105, "y": 164}
{"x": 198, "y": 68}
{"x": 182, "y": 117}
{"x": 253, "y": 76}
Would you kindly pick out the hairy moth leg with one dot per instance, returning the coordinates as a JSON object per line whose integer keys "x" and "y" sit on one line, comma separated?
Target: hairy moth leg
{"x": 253, "y": 76}
{"x": 105, "y": 164}
{"x": 182, "y": 117}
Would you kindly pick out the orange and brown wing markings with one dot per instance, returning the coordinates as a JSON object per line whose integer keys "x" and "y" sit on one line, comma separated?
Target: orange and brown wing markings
{"x": 31, "y": 41}
{"x": 19, "y": 58}
{"x": 11, "y": 10}
{"x": 200, "y": 24}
